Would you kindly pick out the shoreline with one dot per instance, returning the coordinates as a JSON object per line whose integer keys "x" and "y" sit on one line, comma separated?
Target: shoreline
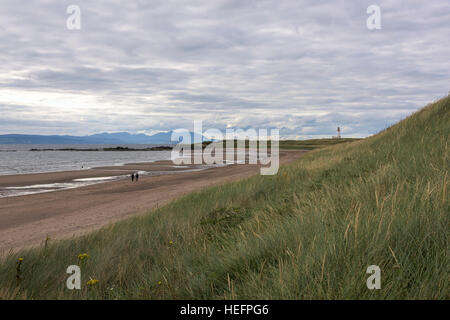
{"x": 85, "y": 166}
{"x": 25, "y": 221}
{"x": 35, "y": 183}
{"x": 24, "y": 179}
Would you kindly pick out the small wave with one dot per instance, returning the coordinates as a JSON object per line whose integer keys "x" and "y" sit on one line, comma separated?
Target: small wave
{"x": 42, "y": 186}
{"x": 97, "y": 179}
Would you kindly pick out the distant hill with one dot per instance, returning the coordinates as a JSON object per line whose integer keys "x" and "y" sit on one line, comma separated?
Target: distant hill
{"x": 99, "y": 138}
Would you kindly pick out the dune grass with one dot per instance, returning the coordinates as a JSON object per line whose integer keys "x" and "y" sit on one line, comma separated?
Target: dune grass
{"x": 309, "y": 232}
{"x": 312, "y": 144}
{"x": 309, "y": 144}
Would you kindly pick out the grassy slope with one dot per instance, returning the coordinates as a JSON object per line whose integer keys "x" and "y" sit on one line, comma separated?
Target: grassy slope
{"x": 308, "y": 232}
{"x": 312, "y": 144}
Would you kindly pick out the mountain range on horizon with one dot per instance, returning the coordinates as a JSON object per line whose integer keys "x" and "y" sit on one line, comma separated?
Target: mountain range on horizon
{"x": 99, "y": 138}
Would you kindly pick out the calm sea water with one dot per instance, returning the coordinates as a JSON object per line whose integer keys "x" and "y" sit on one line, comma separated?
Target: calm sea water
{"x": 18, "y": 159}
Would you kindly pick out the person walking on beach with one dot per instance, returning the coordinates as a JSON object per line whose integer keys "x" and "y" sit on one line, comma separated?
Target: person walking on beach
{"x": 137, "y": 177}
{"x": 132, "y": 177}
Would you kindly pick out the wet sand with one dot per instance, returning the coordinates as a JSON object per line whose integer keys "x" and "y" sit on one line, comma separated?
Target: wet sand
{"x": 67, "y": 176}
{"x": 27, "y": 220}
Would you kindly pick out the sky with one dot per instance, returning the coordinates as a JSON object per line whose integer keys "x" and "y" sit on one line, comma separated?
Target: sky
{"x": 303, "y": 67}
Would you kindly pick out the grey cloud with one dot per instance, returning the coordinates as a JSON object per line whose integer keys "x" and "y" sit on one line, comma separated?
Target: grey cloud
{"x": 303, "y": 66}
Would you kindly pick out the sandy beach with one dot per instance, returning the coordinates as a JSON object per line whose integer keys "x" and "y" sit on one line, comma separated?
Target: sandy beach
{"x": 27, "y": 220}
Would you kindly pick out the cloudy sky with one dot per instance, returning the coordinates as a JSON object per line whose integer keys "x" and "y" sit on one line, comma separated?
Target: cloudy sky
{"x": 304, "y": 67}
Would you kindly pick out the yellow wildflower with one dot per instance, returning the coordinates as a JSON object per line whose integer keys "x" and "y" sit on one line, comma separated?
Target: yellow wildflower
{"x": 83, "y": 256}
{"x": 92, "y": 282}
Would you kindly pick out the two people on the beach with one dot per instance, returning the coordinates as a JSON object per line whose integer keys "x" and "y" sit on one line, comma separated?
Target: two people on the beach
{"x": 134, "y": 176}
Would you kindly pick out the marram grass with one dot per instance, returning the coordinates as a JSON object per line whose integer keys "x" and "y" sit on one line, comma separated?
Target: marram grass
{"x": 309, "y": 232}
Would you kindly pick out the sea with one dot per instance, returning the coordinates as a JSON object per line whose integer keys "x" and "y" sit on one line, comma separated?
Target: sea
{"x": 19, "y": 159}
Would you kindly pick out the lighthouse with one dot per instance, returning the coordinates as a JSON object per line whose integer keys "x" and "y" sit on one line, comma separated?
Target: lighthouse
{"x": 339, "y": 132}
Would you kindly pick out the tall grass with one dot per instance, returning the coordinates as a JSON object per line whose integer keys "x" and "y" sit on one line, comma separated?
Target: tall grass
{"x": 312, "y": 144}
{"x": 309, "y": 232}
